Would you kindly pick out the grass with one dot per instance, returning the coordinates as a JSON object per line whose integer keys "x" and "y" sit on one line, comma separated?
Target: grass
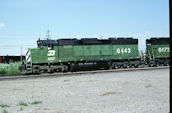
{"x": 11, "y": 68}
{"x": 4, "y": 111}
{"x": 21, "y": 109}
{"x": 23, "y": 104}
{"x": 20, "y": 104}
{"x": 36, "y": 102}
{"x": 4, "y": 105}
{"x": 26, "y": 104}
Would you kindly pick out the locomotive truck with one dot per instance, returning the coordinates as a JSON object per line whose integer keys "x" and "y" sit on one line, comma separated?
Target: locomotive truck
{"x": 66, "y": 54}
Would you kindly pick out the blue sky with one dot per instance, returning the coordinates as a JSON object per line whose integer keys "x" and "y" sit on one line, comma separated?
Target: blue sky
{"x": 23, "y": 21}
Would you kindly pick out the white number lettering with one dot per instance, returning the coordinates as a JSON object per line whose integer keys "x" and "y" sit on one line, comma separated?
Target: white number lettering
{"x": 129, "y": 50}
{"x": 123, "y": 50}
{"x": 118, "y": 50}
{"x": 164, "y": 49}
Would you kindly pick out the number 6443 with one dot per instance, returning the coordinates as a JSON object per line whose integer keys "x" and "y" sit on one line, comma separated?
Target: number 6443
{"x": 123, "y": 50}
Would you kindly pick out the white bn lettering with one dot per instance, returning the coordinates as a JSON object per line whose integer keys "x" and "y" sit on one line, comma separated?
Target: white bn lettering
{"x": 51, "y": 53}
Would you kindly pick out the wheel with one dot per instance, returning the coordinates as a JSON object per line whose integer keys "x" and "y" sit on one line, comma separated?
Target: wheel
{"x": 118, "y": 66}
{"x": 165, "y": 63}
{"x": 130, "y": 66}
{"x": 64, "y": 69}
{"x": 136, "y": 65}
{"x": 151, "y": 64}
{"x": 71, "y": 68}
{"x": 113, "y": 66}
{"x": 49, "y": 71}
{"x": 155, "y": 64}
{"x": 110, "y": 67}
{"x": 124, "y": 66}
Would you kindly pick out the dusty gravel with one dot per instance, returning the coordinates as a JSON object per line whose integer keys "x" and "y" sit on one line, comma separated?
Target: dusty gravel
{"x": 117, "y": 92}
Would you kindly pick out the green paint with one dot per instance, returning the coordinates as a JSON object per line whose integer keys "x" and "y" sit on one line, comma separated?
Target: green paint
{"x": 158, "y": 51}
{"x": 84, "y": 52}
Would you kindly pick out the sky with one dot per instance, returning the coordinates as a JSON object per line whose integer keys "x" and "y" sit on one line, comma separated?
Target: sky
{"x": 22, "y": 22}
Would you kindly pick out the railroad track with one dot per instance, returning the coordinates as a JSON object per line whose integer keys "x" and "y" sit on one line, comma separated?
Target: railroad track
{"x": 14, "y": 77}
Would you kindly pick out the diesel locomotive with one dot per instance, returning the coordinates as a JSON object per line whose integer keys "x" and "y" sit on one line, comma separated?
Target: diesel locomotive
{"x": 64, "y": 55}
{"x": 157, "y": 51}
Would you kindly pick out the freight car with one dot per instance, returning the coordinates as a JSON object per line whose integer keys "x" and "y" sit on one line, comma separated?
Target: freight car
{"x": 65, "y": 54}
{"x": 157, "y": 51}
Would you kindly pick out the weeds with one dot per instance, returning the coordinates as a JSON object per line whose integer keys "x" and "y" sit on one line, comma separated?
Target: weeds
{"x": 4, "y": 105}
{"x": 23, "y": 104}
{"x": 26, "y": 104}
{"x": 4, "y": 111}
{"x": 2, "y": 71}
{"x": 12, "y": 68}
{"x": 21, "y": 109}
{"x": 36, "y": 102}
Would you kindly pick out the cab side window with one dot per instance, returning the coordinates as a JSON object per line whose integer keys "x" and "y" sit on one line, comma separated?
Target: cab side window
{"x": 50, "y": 46}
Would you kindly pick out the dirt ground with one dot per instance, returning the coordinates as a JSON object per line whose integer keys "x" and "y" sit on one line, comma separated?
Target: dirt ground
{"x": 117, "y": 92}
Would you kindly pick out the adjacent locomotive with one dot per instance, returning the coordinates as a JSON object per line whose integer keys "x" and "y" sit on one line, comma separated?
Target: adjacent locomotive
{"x": 64, "y": 54}
{"x": 157, "y": 51}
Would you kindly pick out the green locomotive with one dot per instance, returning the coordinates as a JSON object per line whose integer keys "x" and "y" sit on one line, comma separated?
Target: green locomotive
{"x": 65, "y": 54}
{"x": 157, "y": 51}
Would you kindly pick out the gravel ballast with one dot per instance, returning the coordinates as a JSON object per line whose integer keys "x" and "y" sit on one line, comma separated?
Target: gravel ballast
{"x": 116, "y": 92}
